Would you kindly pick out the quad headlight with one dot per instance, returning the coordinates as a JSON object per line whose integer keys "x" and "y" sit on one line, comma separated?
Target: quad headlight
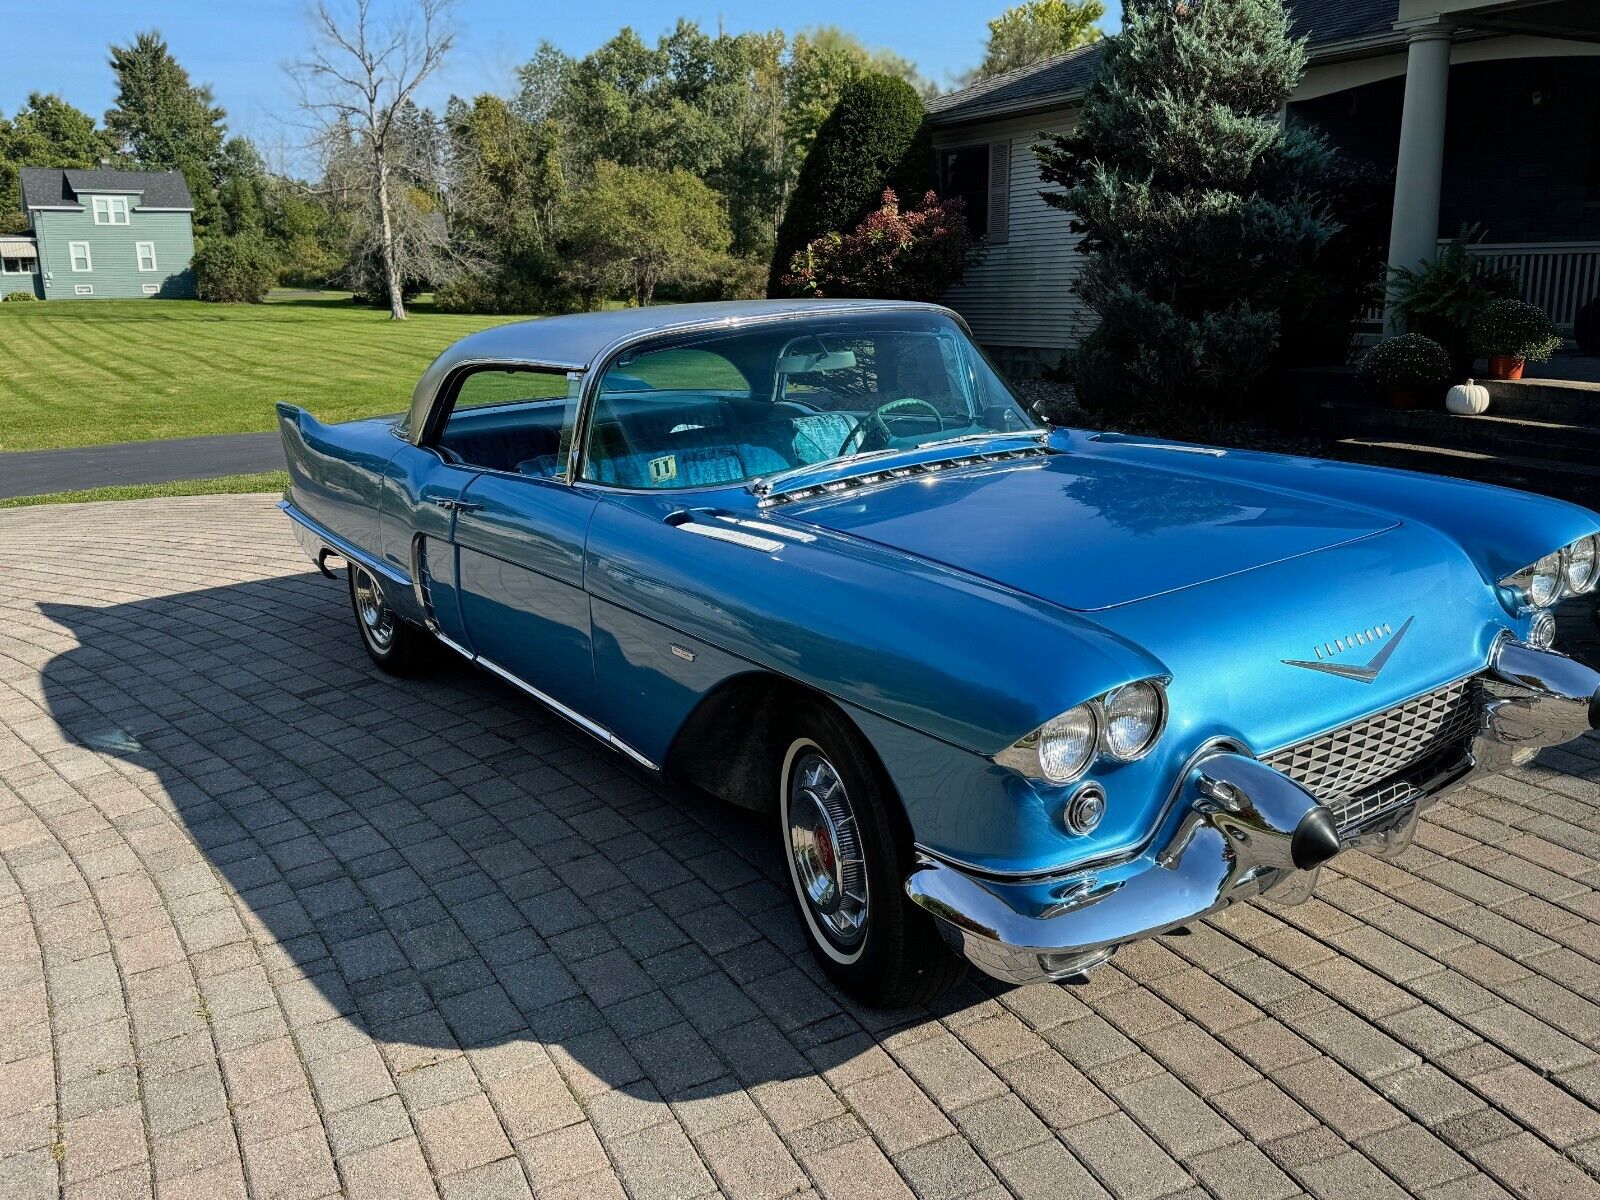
{"x": 1122, "y": 725}
{"x": 1569, "y": 571}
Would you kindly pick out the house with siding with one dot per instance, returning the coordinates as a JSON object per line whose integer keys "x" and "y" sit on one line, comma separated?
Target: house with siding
{"x": 102, "y": 234}
{"x": 1487, "y": 111}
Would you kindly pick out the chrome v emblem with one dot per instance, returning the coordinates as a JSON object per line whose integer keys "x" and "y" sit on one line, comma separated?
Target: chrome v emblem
{"x": 1362, "y": 674}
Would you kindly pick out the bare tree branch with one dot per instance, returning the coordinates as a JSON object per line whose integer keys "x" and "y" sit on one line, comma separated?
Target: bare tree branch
{"x": 359, "y": 82}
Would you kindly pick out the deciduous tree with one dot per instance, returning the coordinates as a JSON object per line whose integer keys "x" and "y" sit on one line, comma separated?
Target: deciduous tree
{"x": 1036, "y": 30}
{"x": 45, "y": 132}
{"x": 635, "y": 228}
{"x": 360, "y": 80}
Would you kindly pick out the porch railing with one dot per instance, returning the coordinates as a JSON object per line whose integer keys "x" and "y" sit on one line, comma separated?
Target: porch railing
{"x": 1559, "y": 277}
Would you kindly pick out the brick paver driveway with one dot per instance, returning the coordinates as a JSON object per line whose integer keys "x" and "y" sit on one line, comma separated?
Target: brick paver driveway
{"x": 273, "y": 923}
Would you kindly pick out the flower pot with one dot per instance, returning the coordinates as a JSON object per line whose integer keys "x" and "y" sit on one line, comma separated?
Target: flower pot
{"x": 1407, "y": 396}
{"x": 1506, "y": 366}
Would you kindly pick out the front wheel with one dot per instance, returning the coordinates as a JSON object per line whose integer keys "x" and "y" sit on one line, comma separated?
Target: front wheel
{"x": 397, "y": 646}
{"x": 848, "y": 853}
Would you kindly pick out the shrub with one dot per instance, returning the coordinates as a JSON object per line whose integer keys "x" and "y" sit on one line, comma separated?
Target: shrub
{"x": 234, "y": 270}
{"x": 1445, "y": 297}
{"x": 1204, "y": 217}
{"x": 1515, "y": 328}
{"x": 1408, "y": 361}
{"x": 895, "y": 254}
{"x": 874, "y": 138}
{"x": 17, "y": 297}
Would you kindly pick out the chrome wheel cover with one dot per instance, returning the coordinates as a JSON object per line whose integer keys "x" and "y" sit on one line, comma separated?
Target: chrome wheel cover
{"x": 825, "y": 850}
{"x": 377, "y": 620}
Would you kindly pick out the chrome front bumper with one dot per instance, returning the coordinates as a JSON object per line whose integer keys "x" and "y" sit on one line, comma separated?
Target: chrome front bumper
{"x": 1240, "y": 829}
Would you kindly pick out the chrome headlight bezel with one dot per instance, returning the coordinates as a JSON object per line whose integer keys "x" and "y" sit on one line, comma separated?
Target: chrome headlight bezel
{"x": 1109, "y": 716}
{"x": 1587, "y": 550}
{"x": 1028, "y": 754}
{"x": 1545, "y": 583}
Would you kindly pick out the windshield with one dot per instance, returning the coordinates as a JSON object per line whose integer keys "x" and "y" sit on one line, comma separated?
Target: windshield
{"x": 721, "y": 408}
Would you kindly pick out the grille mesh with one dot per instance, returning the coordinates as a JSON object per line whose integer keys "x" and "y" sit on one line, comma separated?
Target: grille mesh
{"x": 1351, "y": 769}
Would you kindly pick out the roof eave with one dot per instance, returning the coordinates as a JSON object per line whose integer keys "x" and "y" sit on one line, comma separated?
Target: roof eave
{"x": 1367, "y": 46}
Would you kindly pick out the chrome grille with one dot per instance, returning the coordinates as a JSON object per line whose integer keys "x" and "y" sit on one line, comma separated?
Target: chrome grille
{"x": 1351, "y": 769}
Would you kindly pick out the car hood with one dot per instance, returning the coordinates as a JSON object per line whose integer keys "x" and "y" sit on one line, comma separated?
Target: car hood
{"x": 1088, "y": 532}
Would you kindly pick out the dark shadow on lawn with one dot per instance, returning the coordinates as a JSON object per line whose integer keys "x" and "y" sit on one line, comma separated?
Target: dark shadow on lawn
{"x": 450, "y": 864}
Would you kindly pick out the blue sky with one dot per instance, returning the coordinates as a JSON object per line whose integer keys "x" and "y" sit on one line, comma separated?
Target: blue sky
{"x": 240, "y": 47}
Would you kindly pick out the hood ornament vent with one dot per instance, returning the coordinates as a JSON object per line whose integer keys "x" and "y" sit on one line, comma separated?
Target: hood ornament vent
{"x": 870, "y": 478}
{"x": 1387, "y": 639}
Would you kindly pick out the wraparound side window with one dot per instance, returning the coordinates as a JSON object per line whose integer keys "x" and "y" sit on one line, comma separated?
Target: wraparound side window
{"x": 147, "y": 255}
{"x": 513, "y": 419}
{"x": 79, "y": 252}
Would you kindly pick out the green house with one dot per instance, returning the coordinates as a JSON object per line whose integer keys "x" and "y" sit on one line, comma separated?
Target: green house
{"x": 102, "y": 234}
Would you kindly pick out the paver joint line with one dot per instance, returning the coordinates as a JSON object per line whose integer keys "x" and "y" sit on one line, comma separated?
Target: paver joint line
{"x": 272, "y": 923}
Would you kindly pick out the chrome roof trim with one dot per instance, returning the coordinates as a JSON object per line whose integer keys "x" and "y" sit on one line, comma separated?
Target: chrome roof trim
{"x": 582, "y": 341}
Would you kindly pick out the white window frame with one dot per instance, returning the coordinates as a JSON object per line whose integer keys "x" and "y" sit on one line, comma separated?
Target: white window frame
{"x": 150, "y": 289}
{"x": 139, "y": 255}
{"x": 83, "y": 289}
{"x": 114, "y": 210}
{"x": 72, "y": 258}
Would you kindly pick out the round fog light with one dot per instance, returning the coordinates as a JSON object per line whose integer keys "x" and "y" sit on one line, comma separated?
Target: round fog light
{"x": 1543, "y": 633}
{"x": 1084, "y": 811}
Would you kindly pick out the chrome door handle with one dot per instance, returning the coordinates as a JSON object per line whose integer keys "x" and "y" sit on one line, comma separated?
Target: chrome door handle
{"x": 454, "y": 505}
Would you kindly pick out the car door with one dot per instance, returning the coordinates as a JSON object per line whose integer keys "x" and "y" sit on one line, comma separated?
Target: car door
{"x": 519, "y": 530}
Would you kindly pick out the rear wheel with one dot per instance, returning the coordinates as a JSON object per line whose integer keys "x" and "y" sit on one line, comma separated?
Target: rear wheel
{"x": 848, "y": 853}
{"x": 397, "y": 646}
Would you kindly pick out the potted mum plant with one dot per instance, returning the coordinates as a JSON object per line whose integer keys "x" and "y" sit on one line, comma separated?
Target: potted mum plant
{"x": 1408, "y": 370}
{"x": 1513, "y": 334}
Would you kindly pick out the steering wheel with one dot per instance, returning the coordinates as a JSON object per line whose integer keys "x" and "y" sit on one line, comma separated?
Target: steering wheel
{"x": 876, "y": 424}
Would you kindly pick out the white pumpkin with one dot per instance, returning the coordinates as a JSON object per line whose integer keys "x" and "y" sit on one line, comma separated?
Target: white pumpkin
{"x": 1467, "y": 399}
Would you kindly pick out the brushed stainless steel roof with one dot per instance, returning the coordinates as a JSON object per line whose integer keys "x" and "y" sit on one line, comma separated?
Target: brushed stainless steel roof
{"x": 577, "y": 341}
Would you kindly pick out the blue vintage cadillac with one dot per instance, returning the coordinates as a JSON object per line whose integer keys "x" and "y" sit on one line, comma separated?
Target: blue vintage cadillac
{"x": 1013, "y": 695}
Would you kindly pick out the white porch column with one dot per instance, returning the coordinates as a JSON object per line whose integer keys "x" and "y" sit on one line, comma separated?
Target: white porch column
{"x": 1419, "y": 170}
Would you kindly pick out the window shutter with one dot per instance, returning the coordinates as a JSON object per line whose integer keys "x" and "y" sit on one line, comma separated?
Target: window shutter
{"x": 999, "y": 191}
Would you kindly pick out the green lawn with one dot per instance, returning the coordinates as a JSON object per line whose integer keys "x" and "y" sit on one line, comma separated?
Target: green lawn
{"x": 226, "y": 485}
{"x": 84, "y": 373}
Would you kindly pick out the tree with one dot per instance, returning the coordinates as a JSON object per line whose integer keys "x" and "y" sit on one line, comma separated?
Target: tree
{"x": 822, "y": 63}
{"x": 234, "y": 269}
{"x": 242, "y": 187}
{"x": 505, "y": 185}
{"x": 360, "y": 81}
{"x": 634, "y": 228}
{"x": 45, "y": 132}
{"x": 1035, "y": 30}
{"x": 162, "y": 122}
{"x": 1203, "y": 217}
{"x": 916, "y": 253}
{"x": 874, "y": 138}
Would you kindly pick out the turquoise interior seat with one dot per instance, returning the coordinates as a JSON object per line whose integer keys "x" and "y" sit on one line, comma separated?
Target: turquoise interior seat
{"x": 820, "y": 437}
{"x": 691, "y": 466}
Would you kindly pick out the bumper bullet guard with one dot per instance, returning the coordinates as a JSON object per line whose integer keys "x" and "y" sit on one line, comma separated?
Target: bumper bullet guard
{"x": 1237, "y": 829}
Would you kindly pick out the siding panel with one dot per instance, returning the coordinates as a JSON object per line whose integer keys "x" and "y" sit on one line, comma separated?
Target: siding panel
{"x": 114, "y": 254}
{"x": 1019, "y": 295}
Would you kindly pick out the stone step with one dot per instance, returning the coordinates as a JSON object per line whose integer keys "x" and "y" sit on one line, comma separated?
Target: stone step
{"x": 1493, "y": 431}
{"x": 1578, "y": 482}
{"x": 1545, "y": 400}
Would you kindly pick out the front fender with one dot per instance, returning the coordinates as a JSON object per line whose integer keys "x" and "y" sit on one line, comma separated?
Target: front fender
{"x": 938, "y": 651}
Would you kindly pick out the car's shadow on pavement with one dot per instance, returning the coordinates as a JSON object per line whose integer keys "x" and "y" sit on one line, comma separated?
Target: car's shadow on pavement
{"x": 446, "y": 864}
